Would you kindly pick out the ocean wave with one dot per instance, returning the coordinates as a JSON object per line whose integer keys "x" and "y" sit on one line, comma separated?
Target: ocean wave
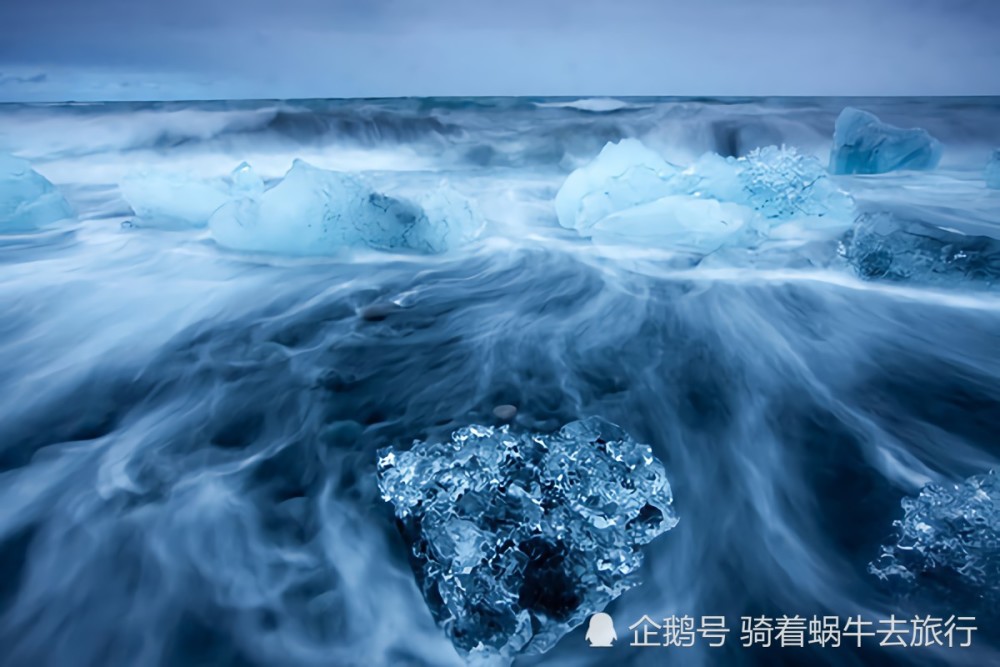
{"x": 188, "y": 452}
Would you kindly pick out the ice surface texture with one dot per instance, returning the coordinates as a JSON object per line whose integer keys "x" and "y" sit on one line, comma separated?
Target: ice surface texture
{"x": 948, "y": 531}
{"x": 623, "y": 175}
{"x": 782, "y": 184}
{"x": 27, "y": 199}
{"x": 517, "y": 538}
{"x": 628, "y": 191}
{"x": 992, "y": 174}
{"x": 863, "y": 144}
{"x": 166, "y": 199}
{"x": 313, "y": 211}
{"x": 881, "y": 246}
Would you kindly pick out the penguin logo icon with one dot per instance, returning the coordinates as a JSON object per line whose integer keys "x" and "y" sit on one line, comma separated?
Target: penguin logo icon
{"x": 601, "y": 631}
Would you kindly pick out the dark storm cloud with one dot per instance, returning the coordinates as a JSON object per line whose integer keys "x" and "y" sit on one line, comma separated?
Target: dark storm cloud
{"x": 218, "y": 48}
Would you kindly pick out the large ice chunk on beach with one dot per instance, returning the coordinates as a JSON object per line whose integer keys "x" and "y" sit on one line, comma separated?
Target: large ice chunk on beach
{"x": 992, "y": 174}
{"x": 623, "y": 175}
{"x": 516, "y": 538}
{"x": 863, "y": 144}
{"x": 881, "y": 246}
{"x": 700, "y": 207}
{"x": 167, "y": 199}
{"x": 27, "y": 199}
{"x": 948, "y": 533}
{"x": 313, "y": 211}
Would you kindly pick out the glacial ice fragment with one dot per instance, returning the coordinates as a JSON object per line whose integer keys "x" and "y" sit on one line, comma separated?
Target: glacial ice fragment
{"x": 623, "y": 175}
{"x": 516, "y": 538}
{"x": 630, "y": 193}
{"x": 167, "y": 199}
{"x": 27, "y": 199}
{"x": 313, "y": 211}
{"x": 244, "y": 182}
{"x": 948, "y": 532}
{"x": 992, "y": 173}
{"x": 882, "y": 246}
{"x": 782, "y": 184}
{"x": 863, "y": 144}
{"x": 679, "y": 222}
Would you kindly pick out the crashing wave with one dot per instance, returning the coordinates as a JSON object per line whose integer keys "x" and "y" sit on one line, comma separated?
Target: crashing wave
{"x": 594, "y": 104}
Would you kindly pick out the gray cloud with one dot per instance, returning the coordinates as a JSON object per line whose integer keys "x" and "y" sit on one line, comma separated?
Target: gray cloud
{"x": 258, "y": 48}
{"x": 6, "y": 80}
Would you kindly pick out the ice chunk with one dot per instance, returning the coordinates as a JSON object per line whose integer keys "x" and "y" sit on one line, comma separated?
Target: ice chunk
{"x": 711, "y": 176}
{"x": 782, "y": 184}
{"x": 623, "y": 175}
{"x": 882, "y": 246}
{"x": 992, "y": 174}
{"x": 779, "y": 183}
{"x": 679, "y": 222}
{"x": 314, "y": 211}
{"x": 171, "y": 199}
{"x": 948, "y": 532}
{"x": 700, "y": 207}
{"x": 863, "y": 144}
{"x": 516, "y": 538}
{"x": 27, "y": 199}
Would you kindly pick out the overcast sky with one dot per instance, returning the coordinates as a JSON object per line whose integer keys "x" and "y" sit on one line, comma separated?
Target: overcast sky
{"x": 187, "y": 49}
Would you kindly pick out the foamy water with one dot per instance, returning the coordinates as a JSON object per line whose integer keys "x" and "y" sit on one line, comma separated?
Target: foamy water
{"x": 188, "y": 433}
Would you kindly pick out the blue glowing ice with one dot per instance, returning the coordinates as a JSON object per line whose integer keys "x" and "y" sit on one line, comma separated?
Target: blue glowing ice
{"x": 313, "y": 211}
{"x": 948, "y": 531}
{"x": 27, "y": 199}
{"x": 623, "y": 175}
{"x": 782, "y": 184}
{"x": 863, "y": 144}
{"x": 881, "y": 246}
{"x": 629, "y": 193}
{"x": 168, "y": 199}
{"x": 517, "y": 538}
{"x": 992, "y": 174}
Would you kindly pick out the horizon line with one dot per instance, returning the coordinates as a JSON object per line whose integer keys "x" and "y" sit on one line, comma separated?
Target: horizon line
{"x": 181, "y": 100}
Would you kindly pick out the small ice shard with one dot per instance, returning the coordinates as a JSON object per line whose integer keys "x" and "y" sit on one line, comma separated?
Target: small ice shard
{"x": 882, "y": 246}
{"x": 169, "y": 199}
{"x": 623, "y": 175}
{"x": 948, "y": 532}
{"x": 313, "y": 211}
{"x": 863, "y": 144}
{"x": 244, "y": 182}
{"x": 992, "y": 174}
{"x": 680, "y": 222}
{"x": 517, "y": 538}
{"x": 27, "y": 199}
